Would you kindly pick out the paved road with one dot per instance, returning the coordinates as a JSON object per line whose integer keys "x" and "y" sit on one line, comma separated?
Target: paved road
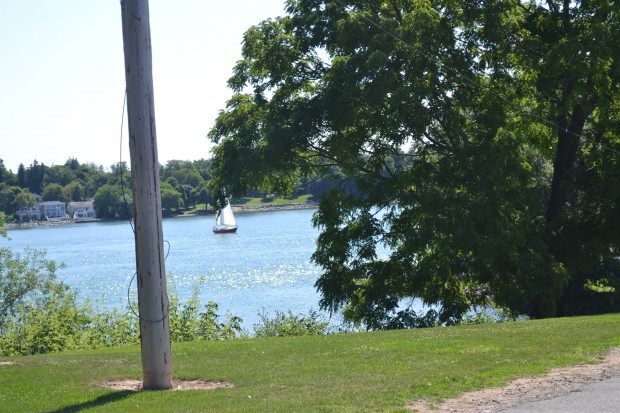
{"x": 599, "y": 397}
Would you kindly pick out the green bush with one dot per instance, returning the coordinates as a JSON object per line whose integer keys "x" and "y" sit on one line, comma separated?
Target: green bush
{"x": 112, "y": 328}
{"x": 489, "y": 314}
{"x": 289, "y": 324}
{"x": 23, "y": 278}
{"x": 52, "y": 321}
{"x": 188, "y": 324}
{"x": 39, "y": 314}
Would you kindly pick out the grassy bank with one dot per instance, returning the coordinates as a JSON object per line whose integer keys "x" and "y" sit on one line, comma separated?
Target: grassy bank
{"x": 249, "y": 202}
{"x": 379, "y": 371}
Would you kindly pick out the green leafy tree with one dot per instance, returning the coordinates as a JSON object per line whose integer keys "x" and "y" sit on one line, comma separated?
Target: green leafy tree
{"x": 74, "y": 191}
{"x": 170, "y": 197}
{"x": 185, "y": 177}
{"x": 54, "y": 192}
{"x": 72, "y": 163}
{"x": 188, "y": 176}
{"x": 7, "y": 199}
{"x": 572, "y": 50}
{"x": 35, "y": 175}
{"x": 204, "y": 168}
{"x": 3, "y": 171}
{"x": 60, "y": 174}
{"x": 24, "y": 199}
{"x": 120, "y": 172}
{"x": 21, "y": 176}
{"x": 172, "y": 166}
{"x": 108, "y": 201}
{"x": 53, "y": 322}
{"x": 6, "y": 175}
{"x": 2, "y": 230}
{"x": 507, "y": 192}
{"x": 12, "y": 198}
{"x": 201, "y": 194}
{"x": 22, "y": 278}
{"x": 96, "y": 180}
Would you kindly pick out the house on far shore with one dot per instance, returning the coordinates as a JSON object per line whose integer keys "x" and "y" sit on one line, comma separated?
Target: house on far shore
{"x": 57, "y": 211}
{"x": 43, "y": 211}
{"x": 53, "y": 210}
{"x": 26, "y": 214}
{"x": 81, "y": 210}
{"x": 31, "y": 213}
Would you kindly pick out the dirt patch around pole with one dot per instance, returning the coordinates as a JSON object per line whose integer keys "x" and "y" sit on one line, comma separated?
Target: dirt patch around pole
{"x": 7, "y": 363}
{"x": 177, "y": 385}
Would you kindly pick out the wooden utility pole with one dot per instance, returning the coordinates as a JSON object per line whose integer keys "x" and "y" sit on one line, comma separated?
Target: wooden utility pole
{"x": 152, "y": 290}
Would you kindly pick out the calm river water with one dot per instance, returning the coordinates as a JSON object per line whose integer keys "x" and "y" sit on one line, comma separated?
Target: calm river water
{"x": 265, "y": 265}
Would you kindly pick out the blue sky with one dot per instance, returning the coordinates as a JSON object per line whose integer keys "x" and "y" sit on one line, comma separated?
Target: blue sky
{"x": 62, "y": 80}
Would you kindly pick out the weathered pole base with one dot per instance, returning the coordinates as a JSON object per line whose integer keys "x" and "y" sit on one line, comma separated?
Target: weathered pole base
{"x": 157, "y": 381}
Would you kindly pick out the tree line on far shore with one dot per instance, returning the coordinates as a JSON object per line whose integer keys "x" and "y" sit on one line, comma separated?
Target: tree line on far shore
{"x": 184, "y": 185}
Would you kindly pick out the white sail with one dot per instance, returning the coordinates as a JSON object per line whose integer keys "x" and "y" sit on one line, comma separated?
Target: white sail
{"x": 226, "y": 216}
{"x": 225, "y": 222}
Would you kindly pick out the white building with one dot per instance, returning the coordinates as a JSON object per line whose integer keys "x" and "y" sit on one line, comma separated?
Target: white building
{"x": 57, "y": 211}
{"x": 53, "y": 210}
{"x": 81, "y": 210}
{"x": 32, "y": 213}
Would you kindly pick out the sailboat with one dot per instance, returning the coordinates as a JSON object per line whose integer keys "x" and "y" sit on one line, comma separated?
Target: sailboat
{"x": 225, "y": 222}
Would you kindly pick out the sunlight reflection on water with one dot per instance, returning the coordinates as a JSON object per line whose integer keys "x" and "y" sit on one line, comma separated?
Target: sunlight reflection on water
{"x": 266, "y": 265}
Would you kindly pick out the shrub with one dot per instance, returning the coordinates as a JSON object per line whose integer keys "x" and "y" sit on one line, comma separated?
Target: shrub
{"x": 188, "y": 324}
{"x": 40, "y": 315}
{"x": 53, "y": 321}
{"x": 23, "y": 278}
{"x": 112, "y": 328}
{"x": 282, "y": 325}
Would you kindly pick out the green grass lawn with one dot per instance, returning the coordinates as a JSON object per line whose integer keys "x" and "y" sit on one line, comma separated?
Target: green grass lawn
{"x": 359, "y": 372}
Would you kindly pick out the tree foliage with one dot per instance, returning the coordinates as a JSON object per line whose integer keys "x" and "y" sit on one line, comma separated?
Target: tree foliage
{"x": 479, "y": 141}
{"x": 22, "y": 278}
{"x": 12, "y": 198}
{"x": 109, "y": 202}
{"x": 54, "y": 192}
{"x": 185, "y": 184}
{"x": 170, "y": 197}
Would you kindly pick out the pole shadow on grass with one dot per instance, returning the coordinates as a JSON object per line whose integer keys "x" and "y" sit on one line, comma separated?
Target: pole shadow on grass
{"x": 99, "y": 401}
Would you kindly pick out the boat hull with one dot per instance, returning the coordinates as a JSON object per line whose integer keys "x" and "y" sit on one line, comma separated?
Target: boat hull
{"x": 221, "y": 229}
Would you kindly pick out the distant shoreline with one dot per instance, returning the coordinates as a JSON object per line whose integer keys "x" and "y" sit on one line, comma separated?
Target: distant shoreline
{"x": 277, "y": 207}
{"x": 237, "y": 208}
{"x": 34, "y": 224}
